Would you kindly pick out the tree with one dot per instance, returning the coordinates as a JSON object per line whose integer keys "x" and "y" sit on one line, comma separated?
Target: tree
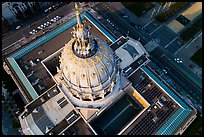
{"x": 4, "y": 25}
{"x": 19, "y": 15}
{"x": 37, "y": 8}
{"x": 28, "y": 12}
{"x": 9, "y": 83}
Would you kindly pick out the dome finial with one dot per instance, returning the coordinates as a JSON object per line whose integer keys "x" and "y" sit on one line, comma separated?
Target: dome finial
{"x": 84, "y": 46}
{"x": 76, "y": 6}
{"x": 79, "y": 22}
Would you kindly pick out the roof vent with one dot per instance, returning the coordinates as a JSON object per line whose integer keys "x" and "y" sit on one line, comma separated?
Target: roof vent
{"x": 48, "y": 128}
{"x": 42, "y": 99}
{"x": 36, "y": 110}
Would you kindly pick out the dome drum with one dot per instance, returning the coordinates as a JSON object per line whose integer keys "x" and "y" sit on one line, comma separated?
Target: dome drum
{"x": 102, "y": 90}
{"x": 104, "y": 83}
{"x": 94, "y": 96}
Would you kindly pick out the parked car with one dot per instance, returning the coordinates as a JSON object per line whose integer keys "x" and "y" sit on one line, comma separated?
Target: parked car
{"x": 39, "y": 27}
{"x": 178, "y": 60}
{"x": 18, "y": 27}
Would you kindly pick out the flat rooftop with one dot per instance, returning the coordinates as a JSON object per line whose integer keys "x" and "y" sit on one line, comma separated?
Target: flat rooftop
{"x": 117, "y": 116}
{"x": 163, "y": 109}
{"x": 194, "y": 11}
{"x": 78, "y": 128}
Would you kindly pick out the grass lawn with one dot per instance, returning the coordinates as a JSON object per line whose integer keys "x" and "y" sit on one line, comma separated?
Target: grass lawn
{"x": 197, "y": 57}
{"x": 138, "y": 8}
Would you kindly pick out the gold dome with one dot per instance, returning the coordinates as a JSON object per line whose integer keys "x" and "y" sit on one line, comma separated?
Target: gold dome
{"x": 88, "y": 75}
{"x": 87, "y": 64}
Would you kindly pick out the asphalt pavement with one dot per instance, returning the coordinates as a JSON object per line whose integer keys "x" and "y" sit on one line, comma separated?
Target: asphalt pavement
{"x": 187, "y": 51}
{"x": 174, "y": 46}
{"x": 112, "y": 14}
{"x": 164, "y": 35}
{"x": 167, "y": 38}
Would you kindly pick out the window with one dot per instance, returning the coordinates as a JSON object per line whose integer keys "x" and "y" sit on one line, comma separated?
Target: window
{"x": 59, "y": 101}
{"x": 62, "y": 102}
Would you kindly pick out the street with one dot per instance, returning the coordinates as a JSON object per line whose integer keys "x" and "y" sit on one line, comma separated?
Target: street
{"x": 109, "y": 12}
{"x": 191, "y": 48}
{"x": 163, "y": 35}
{"x": 24, "y": 31}
{"x": 159, "y": 58}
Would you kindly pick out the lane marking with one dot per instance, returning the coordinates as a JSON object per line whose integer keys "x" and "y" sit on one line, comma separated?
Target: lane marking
{"x": 148, "y": 23}
{"x": 20, "y": 31}
{"x": 171, "y": 41}
{"x": 13, "y": 44}
{"x": 185, "y": 45}
{"x": 193, "y": 40}
{"x": 156, "y": 29}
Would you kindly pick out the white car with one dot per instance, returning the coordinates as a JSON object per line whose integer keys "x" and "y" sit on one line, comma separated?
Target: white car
{"x": 178, "y": 60}
{"x": 46, "y": 24}
{"x": 58, "y": 17}
{"x": 32, "y": 32}
{"x": 40, "y": 27}
{"x": 125, "y": 16}
{"x": 18, "y": 27}
{"x": 53, "y": 20}
{"x": 165, "y": 71}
